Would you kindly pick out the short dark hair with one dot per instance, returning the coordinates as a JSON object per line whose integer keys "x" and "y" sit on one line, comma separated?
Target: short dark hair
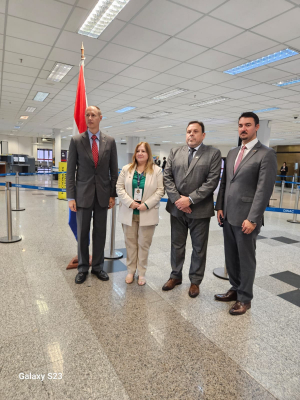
{"x": 250, "y": 114}
{"x": 199, "y": 123}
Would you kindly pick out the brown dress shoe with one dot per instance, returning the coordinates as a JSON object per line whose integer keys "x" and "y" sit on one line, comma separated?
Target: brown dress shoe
{"x": 239, "y": 308}
{"x": 171, "y": 284}
{"x": 194, "y": 290}
{"x": 229, "y": 296}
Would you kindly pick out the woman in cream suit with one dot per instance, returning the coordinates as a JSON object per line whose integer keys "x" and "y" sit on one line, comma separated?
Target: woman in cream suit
{"x": 140, "y": 188}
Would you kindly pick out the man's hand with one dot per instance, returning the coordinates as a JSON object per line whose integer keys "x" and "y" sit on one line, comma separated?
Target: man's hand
{"x": 111, "y": 202}
{"x": 248, "y": 227}
{"x": 134, "y": 205}
{"x": 187, "y": 210}
{"x": 142, "y": 207}
{"x": 182, "y": 203}
{"x": 220, "y": 215}
{"x": 72, "y": 205}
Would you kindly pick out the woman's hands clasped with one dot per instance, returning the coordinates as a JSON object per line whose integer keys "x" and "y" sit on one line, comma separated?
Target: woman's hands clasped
{"x": 135, "y": 205}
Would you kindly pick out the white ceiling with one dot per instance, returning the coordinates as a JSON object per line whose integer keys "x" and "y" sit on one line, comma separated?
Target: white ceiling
{"x": 153, "y": 46}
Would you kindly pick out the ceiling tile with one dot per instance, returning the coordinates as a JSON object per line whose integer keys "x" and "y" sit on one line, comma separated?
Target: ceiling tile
{"x": 167, "y": 79}
{"x": 218, "y": 32}
{"x": 17, "y": 78}
{"x": 66, "y": 57}
{"x": 13, "y": 84}
{"x": 49, "y": 13}
{"x": 21, "y": 70}
{"x": 140, "y": 38}
{"x": 267, "y": 75}
{"x": 213, "y": 59}
{"x": 1, "y": 42}
{"x": 200, "y": 5}
{"x": 262, "y": 88}
{"x": 239, "y": 83}
{"x": 122, "y": 54}
{"x": 138, "y": 92}
{"x": 187, "y": 70}
{"x": 2, "y": 19}
{"x": 125, "y": 81}
{"x": 113, "y": 28}
{"x": 160, "y": 21}
{"x": 72, "y": 42}
{"x": 31, "y": 31}
{"x": 179, "y": 49}
{"x": 246, "y": 44}
{"x": 131, "y": 9}
{"x": 217, "y": 90}
{"x": 214, "y": 77}
{"x": 76, "y": 19}
{"x": 113, "y": 88}
{"x": 106, "y": 66}
{"x": 156, "y": 63}
{"x": 138, "y": 73}
{"x": 194, "y": 85}
{"x": 293, "y": 67}
{"x": 27, "y": 61}
{"x": 152, "y": 87}
{"x": 96, "y": 75}
{"x": 282, "y": 28}
{"x": 27, "y": 48}
{"x": 245, "y": 14}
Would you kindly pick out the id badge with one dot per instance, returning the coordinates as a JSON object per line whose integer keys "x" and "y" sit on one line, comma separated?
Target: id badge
{"x": 138, "y": 193}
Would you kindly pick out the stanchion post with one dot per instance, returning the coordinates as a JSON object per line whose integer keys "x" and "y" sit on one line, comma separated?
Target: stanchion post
{"x": 18, "y": 208}
{"x": 113, "y": 254}
{"x": 294, "y": 220}
{"x": 221, "y": 273}
{"x": 293, "y": 182}
{"x": 10, "y": 238}
{"x": 281, "y": 194}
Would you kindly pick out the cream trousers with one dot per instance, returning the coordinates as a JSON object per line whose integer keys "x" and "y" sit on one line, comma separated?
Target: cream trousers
{"x": 138, "y": 240}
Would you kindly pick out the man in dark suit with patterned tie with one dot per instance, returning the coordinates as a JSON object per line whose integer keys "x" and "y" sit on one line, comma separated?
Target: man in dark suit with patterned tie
{"x": 93, "y": 159}
{"x": 246, "y": 187}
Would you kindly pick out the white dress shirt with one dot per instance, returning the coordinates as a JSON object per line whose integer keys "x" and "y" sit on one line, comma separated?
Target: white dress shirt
{"x": 249, "y": 146}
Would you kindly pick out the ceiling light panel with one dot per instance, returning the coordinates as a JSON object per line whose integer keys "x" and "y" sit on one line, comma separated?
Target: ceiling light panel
{"x": 266, "y": 110}
{"x": 209, "y": 102}
{"x": 279, "y": 55}
{"x": 24, "y": 117}
{"x": 30, "y": 109}
{"x": 40, "y": 96}
{"x": 171, "y": 93}
{"x": 125, "y": 109}
{"x": 59, "y": 71}
{"x": 286, "y": 83}
{"x": 156, "y": 114}
{"x": 102, "y": 15}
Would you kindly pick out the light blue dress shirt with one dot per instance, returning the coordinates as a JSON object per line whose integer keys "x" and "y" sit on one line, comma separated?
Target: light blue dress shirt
{"x": 91, "y": 140}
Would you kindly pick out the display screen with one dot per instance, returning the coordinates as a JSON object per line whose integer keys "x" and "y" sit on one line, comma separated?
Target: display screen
{"x": 16, "y": 159}
{"x": 21, "y": 159}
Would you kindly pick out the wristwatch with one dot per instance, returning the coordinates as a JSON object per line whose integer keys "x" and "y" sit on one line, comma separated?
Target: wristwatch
{"x": 252, "y": 222}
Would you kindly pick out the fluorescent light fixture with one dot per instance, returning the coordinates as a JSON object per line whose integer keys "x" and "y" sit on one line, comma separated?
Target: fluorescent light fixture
{"x": 17, "y": 127}
{"x": 30, "y": 109}
{"x": 171, "y": 93}
{"x": 40, "y": 96}
{"x": 279, "y": 55}
{"x": 59, "y": 71}
{"x": 127, "y": 122}
{"x": 125, "y": 109}
{"x": 286, "y": 83}
{"x": 208, "y": 102}
{"x": 24, "y": 117}
{"x": 104, "y": 12}
{"x": 64, "y": 137}
{"x": 106, "y": 127}
{"x": 266, "y": 110}
{"x": 141, "y": 130}
{"x": 277, "y": 139}
{"x": 156, "y": 114}
{"x": 167, "y": 126}
{"x": 69, "y": 128}
{"x": 104, "y": 117}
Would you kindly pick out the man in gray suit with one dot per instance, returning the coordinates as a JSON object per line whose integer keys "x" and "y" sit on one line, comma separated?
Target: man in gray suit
{"x": 191, "y": 175}
{"x": 246, "y": 187}
{"x": 93, "y": 157}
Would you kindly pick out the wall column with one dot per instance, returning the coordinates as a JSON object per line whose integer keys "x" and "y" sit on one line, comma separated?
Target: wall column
{"x": 132, "y": 141}
{"x": 264, "y": 132}
{"x": 57, "y": 146}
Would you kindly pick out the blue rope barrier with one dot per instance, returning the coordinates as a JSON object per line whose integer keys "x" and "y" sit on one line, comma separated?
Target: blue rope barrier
{"x": 39, "y": 188}
{"x": 287, "y": 176}
{"x": 10, "y": 174}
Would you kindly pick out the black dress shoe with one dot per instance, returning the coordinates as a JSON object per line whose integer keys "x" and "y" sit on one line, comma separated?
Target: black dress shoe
{"x": 81, "y": 277}
{"x": 102, "y": 275}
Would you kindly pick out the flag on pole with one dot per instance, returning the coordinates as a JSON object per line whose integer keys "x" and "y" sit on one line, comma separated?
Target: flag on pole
{"x": 79, "y": 125}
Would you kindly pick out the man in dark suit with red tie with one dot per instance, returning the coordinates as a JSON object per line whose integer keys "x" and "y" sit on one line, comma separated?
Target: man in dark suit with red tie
{"x": 93, "y": 159}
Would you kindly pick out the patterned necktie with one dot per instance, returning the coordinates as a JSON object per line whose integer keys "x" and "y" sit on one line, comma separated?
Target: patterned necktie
{"x": 191, "y": 155}
{"x": 95, "y": 150}
{"x": 240, "y": 157}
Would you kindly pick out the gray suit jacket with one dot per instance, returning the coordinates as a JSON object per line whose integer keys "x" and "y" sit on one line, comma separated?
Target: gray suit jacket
{"x": 89, "y": 179}
{"x": 245, "y": 194}
{"x": 197, "y": 181}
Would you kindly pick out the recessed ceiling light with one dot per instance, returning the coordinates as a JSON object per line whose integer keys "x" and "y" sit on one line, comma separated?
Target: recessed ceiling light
{"x": 171, "y": 93}
{"x": 286, "y": 83}
{"x": 279, "y": 55}
{"x": 125, "y": 109}
{"x": 69, "y": 128}
{"x": 64, "y": 137}
{"x": 208, "y": 102}
{"x": 40, "y": 96}
{"x": 30, "y": 109}
{"x": 167, "y": 126}
{"x": 106, "y": 127}
{"x": 104, "y": 12}
{"x": 266, "y": 110}
{"x": 127, "y": 122}
{"x": 24, "y": 117}
{"x": 59, "y": 71}
{"x": 156, "y": 114}
{"x": 17, "y": 127}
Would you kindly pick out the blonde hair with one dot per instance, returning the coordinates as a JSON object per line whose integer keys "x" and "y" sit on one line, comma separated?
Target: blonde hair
{"x": 150, "y": 163}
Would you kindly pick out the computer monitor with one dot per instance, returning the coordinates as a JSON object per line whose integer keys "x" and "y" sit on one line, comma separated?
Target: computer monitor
{"x": 21, "y": 159}
{"x": 16, "y": 159}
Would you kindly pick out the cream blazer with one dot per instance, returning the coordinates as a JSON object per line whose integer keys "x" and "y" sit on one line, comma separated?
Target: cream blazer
{"x": 152, "y": 193}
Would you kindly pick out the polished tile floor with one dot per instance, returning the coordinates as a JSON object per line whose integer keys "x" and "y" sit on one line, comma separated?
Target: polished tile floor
{"x": 109, "y": 340}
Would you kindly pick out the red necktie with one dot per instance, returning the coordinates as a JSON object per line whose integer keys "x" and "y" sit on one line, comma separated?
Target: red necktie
{"x": 240, "y": 157}
{"x": 95, "y": 150}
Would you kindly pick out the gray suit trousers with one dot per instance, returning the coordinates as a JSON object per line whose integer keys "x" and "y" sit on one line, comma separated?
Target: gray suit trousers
{"x": 240, "y": 259}
{"x": 199, "y": 234}
{"x": 84, "y": 216}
